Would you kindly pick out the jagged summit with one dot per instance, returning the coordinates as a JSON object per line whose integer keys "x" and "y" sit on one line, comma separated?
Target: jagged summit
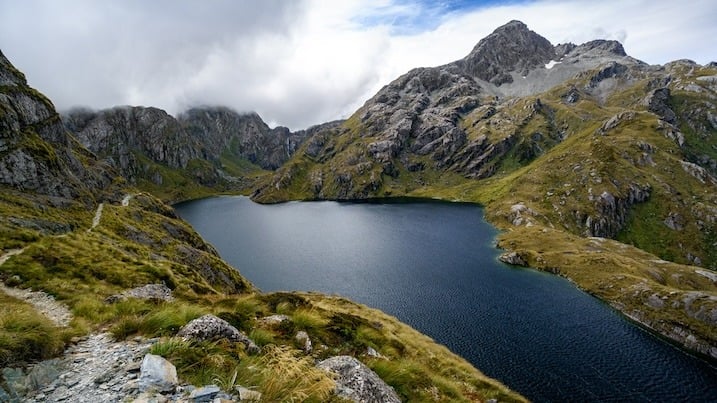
{"x": 510, "y": 48}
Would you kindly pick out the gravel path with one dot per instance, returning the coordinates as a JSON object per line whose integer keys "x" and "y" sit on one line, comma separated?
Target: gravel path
{"x": 96, "y": 369}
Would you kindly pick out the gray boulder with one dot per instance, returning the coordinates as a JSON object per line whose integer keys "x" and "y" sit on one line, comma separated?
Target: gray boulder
{"x": 356, "y": 382}
{"x": 158, "y": 374}
{"x": 212, "y": 328}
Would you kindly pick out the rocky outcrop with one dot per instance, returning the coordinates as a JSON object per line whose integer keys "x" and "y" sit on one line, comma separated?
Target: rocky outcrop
{"x": 611, "y": 211}
{"x": 357, "y": 383}
{"x": 658, "y": 102}
{"x": 245, "y": 136}
{"x": 513, "y": 258}
{"x": 153, "y": 292}
{"x": 211, "y": 328}
{"x": 36, "y": 153}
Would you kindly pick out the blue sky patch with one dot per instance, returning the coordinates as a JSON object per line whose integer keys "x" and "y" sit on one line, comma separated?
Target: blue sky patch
{"x": 407, "y": 17}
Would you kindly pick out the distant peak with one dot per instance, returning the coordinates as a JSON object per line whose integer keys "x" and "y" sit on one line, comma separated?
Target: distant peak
{"x": 511, "y": 48}
{"x": 512, "y": 25}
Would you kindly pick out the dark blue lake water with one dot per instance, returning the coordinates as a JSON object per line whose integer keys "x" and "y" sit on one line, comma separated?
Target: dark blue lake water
{"x": 433, "y": 265}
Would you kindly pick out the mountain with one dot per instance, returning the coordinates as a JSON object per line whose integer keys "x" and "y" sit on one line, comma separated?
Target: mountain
{"x": 97, "y": 273}
{"x": 202, "y": 151}
{"x": 599, "y": 167}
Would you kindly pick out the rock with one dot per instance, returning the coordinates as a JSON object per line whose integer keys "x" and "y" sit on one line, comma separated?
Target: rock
{"x": 274, "y": 320}
{"x": 371, "y": 352}
{"x": 211, "y": 328}
{"x": 155, "y": 292}
{"x": 304, "y": 341}
{"x": 158, "y": 374}
{"x": 513, "y": 258}
{"x": 357, "y": 382}
{"x": 675, "y": 221}
{"x": 614, "y": 121}
{"x": 248, "y": 395}
{"x": 655, "y": 301}
{"x": 204, "y": 394}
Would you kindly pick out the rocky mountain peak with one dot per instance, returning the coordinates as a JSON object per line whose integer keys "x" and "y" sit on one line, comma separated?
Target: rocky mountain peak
{"x": 510, "y": 48}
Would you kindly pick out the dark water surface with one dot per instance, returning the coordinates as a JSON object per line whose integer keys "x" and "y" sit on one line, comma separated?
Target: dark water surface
{"x": 433, "y": 265}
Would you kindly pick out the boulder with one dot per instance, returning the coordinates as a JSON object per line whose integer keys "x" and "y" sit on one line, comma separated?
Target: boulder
{"x": 356, "y": 382}
{"x": 158, "y": 374}
{"x": 211, "y": 328}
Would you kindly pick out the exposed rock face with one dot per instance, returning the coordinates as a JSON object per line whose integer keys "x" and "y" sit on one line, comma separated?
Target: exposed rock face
{"x": 120, "y": 131}
{"x": 512, "y": 48}
{"x": 36, "y": 153}
{"x": 128, "y": 137}
{"x": 658, "y": 102}
{"x": 211, "y": 328}
{"x": 357, "y": 382}
{"x": 243, "y": 135}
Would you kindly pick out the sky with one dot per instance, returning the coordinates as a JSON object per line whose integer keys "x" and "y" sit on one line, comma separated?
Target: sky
{"x": 302, "y": 62}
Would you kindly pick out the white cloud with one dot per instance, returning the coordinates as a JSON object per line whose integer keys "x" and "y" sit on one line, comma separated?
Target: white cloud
{"x": 299, "y": 63}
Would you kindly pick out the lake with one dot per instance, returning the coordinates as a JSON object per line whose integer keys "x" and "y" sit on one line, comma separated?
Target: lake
{"x": 434, "y": 266}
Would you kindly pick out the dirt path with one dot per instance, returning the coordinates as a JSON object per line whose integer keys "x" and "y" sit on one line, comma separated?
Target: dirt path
{"x": 97, "y": 218}
{"x": 43, "y": 302}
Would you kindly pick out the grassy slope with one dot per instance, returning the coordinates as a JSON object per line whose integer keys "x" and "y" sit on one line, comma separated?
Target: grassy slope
{"x": 560, "y": 187}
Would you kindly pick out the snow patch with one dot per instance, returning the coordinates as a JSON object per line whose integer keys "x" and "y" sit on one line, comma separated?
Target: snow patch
{"x": 551, "y": 64}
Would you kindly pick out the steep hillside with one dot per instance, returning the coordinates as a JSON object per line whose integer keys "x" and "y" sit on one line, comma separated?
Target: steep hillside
{"x": 203, "y": 151}
{"x": 565, "y": 146}
{"x": 127, "y": 274}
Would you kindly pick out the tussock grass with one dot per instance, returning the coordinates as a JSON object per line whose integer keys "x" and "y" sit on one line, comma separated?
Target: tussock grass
{"x": 285, "y": 375}
{"x": 25, "y": 334}
{"x": 308, "y": 319}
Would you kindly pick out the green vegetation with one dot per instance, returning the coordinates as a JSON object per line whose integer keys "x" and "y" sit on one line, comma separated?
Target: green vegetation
{"x": 25, "y": 334}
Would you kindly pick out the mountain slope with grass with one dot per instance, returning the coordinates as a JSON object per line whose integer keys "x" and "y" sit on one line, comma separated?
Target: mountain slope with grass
{"x": 597, "y": 166}
{"x": 78, "y": 235}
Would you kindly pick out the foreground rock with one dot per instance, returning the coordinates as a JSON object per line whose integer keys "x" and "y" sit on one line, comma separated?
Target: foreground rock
{"x": 158, "y": 374}
{"x": 212, "y": 328}
{"x": 357, "y": 382}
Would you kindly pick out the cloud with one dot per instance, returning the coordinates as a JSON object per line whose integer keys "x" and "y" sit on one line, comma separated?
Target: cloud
{"x": 304, "y": 62}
